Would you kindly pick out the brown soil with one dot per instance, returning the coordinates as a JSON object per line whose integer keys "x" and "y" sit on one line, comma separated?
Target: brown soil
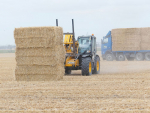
{"x": 121, "y": 86}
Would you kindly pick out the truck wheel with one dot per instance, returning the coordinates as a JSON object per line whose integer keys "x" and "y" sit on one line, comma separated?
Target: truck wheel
{"x": 97, "y": 66}
{"x": 67, "y": 71}
{"x": 121, "y": 57}
{"x": 147, "y": 56}
{"x": 109, "y": 57}
{"x": 139, "y": 56}
{"x": 130, "y": 58}
{"x": 86, "y": 66}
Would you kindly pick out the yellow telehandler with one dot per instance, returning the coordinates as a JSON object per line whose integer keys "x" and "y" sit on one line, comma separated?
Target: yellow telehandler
{"x": 81, "y": 53}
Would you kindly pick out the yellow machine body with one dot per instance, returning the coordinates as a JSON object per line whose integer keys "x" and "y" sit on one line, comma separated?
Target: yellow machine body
{"x": 68, "y": 38}
{"x": 68, "y": 44}
{"x": 71, "y": 62}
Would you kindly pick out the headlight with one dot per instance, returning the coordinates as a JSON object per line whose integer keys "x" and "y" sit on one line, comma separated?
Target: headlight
{"x": 88, "y": 51}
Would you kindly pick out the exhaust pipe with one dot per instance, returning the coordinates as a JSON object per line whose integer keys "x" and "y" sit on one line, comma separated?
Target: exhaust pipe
{"x": 56, "y": 22}
{"x": 73, "y": 37}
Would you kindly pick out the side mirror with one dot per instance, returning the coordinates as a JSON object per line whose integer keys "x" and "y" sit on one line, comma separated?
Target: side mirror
{"x": 101, "y": 41}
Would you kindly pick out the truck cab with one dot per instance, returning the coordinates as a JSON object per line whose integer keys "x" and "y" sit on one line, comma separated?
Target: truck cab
{"x": 106, "y": 45}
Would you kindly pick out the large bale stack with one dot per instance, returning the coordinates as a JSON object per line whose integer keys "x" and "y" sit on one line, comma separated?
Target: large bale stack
{"x": 40, "y": 53}
{"x": 126, "y": 39}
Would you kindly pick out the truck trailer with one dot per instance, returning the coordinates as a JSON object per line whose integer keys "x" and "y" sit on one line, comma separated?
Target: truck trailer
{"x": 126, "y": 43}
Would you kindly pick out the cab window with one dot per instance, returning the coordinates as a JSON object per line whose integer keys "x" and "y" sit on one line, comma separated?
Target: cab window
{"x": 105, "y": 40}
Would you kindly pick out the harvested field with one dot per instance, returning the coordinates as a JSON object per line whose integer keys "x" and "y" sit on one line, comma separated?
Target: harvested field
{"x": 121, "y": 86}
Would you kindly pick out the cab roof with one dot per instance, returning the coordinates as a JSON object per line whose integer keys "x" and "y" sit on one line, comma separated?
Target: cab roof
{"x": 86, "y": 36}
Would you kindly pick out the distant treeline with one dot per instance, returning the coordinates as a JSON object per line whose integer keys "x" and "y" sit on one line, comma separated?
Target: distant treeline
{"x": 7, "y": 51}
{"x": 8, "y": 47}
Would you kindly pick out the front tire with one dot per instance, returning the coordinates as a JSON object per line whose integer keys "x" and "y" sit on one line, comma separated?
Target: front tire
{"x": 86, "y": 66}
{"x": 97, "y": 66}
{"x": 139, "y": 57}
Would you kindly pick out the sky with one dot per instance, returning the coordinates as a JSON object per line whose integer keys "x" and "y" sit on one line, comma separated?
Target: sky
{"x": 90, "y": 16}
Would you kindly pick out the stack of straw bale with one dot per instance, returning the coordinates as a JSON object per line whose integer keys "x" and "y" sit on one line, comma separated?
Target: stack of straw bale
{"x": 130, "y": 39}
{"x": 40, "y": 53}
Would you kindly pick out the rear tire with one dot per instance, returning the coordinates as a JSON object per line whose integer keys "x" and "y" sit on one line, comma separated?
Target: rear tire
{"x": 130, "y": 58}
{"x": 109, "y": 57}
{"x": 121, "y": 57}
{"x": 67, "y": 71}
{"x": 86, "y": 66}
{"x": 139, "y": 56}
{"x": 147, "y": 56}
{"x": 97, "y": 66}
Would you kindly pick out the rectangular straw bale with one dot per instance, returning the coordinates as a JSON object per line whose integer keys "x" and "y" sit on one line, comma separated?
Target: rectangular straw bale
{"x": 125, "y": 46}
{"x": 145, "y": 46}
{"x": 126, "y": 39}
{"x": 31, "y": 52}
{"x": 131, "y": 48}
{"x": 119, "y": 38}
{"x": 145, "y": 31}
{"x": 129, "y": 31}
{"x": 118, "y": 48}
{"x": 40, "y": 70}
{"x": 132, "y": 43}
{"x": 36, "y": 42}
{"x": 50, "y": 60}
{"x": 38, "y": 37}
{"x": 145, "y": 38}
{"x": 33, "y": 32}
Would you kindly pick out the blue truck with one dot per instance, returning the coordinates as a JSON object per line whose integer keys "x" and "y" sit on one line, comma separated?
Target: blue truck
{"x": 110, "y": 55}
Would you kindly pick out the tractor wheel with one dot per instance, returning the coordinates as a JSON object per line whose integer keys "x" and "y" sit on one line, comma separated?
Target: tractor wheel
{"x": 147, "y": 56}
{"x": 67, "y": 71}
{"x": 97, "y": 66}
{"x": 109, "y": 57}
{"x": 139, "y": 56}
{"x": 86, "y": 66}
{"x": 120, "y": 57}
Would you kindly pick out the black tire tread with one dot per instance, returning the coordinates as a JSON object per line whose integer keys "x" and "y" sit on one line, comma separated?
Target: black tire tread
{"x": 141, "y": 58}
{"x": 146, "y": 58}
{"x": 95, "y": 70}
{"x": 121, "y": 59}
{"x": 67, "y": 71}
{"x": 85, "y": 66}
{"x": 111, "y": 56}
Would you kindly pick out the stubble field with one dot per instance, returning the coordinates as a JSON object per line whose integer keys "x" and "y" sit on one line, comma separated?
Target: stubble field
{"x": 121, "y": 86}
